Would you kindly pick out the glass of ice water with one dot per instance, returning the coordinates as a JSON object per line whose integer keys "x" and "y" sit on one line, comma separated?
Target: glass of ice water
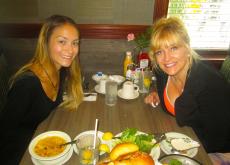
{"x": 111, "y": 93}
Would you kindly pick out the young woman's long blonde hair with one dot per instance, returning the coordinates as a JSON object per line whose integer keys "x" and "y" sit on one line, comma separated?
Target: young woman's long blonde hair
{"x": 167, "y": 31}
{"x": 73, "y": 73}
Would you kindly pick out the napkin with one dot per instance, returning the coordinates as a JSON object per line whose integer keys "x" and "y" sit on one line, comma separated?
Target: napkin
{"x": 91, "y": 97}
{"x": 184, "y": 143}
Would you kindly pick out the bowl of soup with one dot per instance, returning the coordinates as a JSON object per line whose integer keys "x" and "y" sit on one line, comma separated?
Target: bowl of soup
{"x": 48, "y": 146}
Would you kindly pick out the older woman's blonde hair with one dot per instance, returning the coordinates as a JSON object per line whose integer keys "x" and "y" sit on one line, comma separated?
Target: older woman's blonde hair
{"x": 168, "y": 31}
{"x": 73, "y": 74}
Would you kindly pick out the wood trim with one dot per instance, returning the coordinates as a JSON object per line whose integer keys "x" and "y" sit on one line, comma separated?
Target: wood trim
{"x": 19, "y": 30}
{"x": 160, "y": 9}
{"x": 100, "y": 31}
{"x": 97, "y": 31}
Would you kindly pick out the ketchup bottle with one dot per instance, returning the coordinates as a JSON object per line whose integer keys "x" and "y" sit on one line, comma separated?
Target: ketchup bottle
{"x": 143, "y": 60}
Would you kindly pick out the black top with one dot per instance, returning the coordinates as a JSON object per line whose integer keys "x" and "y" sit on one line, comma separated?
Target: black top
{"x": 27, "y": 105}
{"x": 204, "y": 105}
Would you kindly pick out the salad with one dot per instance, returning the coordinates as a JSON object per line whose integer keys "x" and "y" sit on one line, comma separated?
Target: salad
{"x": 144, "y": 141}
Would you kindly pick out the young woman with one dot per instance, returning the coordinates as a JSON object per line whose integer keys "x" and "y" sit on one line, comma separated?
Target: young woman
{"x": 37, "y": 88}
{"x": 187, "y": 88}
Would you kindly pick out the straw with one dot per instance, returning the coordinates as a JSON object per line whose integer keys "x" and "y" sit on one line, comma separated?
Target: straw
{"x": 95, "y": 134}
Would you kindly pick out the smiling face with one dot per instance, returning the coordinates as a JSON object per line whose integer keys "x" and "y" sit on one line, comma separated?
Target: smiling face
{"x": 173, "y": 59}
{"x": 63, "y": 45}
{"x": 170, "y": 47}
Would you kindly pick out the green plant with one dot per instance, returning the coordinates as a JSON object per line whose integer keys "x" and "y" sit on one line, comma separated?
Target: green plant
{"x": 141, "y": 40}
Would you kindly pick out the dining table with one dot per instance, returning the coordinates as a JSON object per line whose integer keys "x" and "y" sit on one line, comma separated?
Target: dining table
{"x": 133, "y": 113}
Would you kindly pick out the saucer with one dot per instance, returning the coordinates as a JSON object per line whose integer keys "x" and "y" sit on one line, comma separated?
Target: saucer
{"x": 119, "y": 93}
{"x": 97, "y": 89}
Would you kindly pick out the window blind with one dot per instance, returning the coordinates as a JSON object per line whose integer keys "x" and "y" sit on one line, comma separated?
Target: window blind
{"x": 207, "y": 21}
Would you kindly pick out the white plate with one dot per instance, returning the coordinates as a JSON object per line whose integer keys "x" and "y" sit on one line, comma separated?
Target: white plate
{"x": 97, "y": 78}
{"x": 166, "y": 146}
{"x": 97, "y": 89}
{"x": 117, "y": 78}
{"x": 58, "y": 161}
{"x": 155, "y": 152}
{"x": 136, "y": 94}
{"x": 99, "y": 134}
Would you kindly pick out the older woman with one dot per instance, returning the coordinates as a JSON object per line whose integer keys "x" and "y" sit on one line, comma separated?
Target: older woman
{"x": 37, "y": 88}
{"x": 187, "y": 88}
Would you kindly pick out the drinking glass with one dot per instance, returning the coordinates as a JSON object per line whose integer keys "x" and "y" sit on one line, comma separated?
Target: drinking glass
{"x": 111, "y": 93}
{"x": 87, "y": 153}
{"x": 145, "y": 80}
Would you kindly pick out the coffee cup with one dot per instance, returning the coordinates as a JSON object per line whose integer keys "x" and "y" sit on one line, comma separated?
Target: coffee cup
{"x": 129, "y": 89}
{"x": 102, "y": 83}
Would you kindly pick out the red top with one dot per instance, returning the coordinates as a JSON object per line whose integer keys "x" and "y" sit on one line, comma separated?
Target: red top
{"x": 168, "y": 105}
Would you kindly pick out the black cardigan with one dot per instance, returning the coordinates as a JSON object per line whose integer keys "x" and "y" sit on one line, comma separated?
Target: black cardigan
{"x": 204, "y": 105}
{"x": 27, "y": 105}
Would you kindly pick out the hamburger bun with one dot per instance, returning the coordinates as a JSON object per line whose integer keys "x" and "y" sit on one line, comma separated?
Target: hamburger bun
{"x": 127, "y": 154}
{"x": 135, "y": 158}
{"x": 122, "y": 149}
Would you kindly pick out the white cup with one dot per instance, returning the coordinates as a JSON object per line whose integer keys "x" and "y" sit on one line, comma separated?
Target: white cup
{"x": 129, "y": 89}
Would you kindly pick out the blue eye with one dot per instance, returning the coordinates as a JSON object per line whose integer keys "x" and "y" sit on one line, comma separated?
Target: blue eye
{"x": 157, "y": 53}
{"x": 174, "y": 48}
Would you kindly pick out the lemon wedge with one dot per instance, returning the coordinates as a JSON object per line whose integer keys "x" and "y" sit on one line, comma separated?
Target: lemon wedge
{"x": 104, "y": 148}
{"x": 87, "y": 154}
{"x": 107, "y": 136}
{"x": 147, "y": 82}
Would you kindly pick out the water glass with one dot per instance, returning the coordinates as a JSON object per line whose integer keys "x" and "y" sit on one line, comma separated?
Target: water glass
{"x": 111, "y": 93}
{"x": 145, "y": 80}
{"x": 87, "y": 153}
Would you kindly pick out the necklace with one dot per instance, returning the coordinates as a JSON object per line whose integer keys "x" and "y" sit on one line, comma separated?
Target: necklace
{"x": 51, "y": 82}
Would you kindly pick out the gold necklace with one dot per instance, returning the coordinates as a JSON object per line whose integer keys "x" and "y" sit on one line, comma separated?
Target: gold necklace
{"x": 51, "y": 82}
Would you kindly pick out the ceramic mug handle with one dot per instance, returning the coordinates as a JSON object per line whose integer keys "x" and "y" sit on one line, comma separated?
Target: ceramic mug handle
{"x": 136, "y": 87}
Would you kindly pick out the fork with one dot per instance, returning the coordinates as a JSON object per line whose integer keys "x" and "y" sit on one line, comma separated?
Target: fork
{"x": 159, "y": 137}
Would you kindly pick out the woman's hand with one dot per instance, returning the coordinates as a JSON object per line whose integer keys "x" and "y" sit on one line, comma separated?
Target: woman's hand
{"x": 152, "y": 99}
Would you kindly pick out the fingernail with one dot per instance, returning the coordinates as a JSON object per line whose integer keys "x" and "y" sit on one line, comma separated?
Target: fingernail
{"x": 153, "y": 105}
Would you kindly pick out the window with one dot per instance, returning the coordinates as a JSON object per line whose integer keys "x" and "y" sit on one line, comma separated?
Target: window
{"x": 207, "y": 22}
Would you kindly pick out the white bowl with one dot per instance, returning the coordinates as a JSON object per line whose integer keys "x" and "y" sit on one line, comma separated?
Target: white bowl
{"x": 117, "y": 78}
{"x": 49, "y": 134}
{"x": 97, "y": 77}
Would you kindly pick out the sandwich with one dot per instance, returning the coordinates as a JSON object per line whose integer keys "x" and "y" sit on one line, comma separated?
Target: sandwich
{"x": 127, "y": 154}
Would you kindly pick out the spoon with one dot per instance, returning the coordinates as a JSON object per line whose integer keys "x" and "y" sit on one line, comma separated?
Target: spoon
{"x": 71, "y": 142}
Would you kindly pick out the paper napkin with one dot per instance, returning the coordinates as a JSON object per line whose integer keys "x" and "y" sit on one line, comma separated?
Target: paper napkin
{"x": 91, "y": 97}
